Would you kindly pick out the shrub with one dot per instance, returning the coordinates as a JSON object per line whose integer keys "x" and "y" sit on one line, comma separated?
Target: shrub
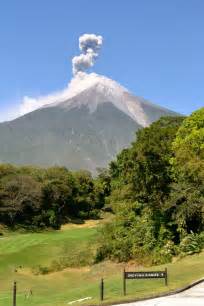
{"x": 40, "y": 270}
{"x": 164, "y": 254}
{"x": 191, "y": 244}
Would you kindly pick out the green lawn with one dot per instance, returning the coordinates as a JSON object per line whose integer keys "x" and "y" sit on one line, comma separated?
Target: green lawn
{"x": 60, "y": 288}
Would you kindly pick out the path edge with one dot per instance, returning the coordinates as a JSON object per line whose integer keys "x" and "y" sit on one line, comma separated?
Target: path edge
{"x": 168, "y": 293}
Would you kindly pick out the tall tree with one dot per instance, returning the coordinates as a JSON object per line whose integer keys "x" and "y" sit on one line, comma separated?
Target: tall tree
{"x": 186, "y": 201}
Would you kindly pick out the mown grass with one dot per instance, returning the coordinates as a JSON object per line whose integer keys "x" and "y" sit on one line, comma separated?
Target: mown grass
{"x": 59, "y": 288}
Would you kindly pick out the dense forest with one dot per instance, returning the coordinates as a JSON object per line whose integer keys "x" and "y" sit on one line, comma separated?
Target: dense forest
{"x": 157, "y": 193}
{"x": 154, "y": 189}
{"x": 39, "y": 198}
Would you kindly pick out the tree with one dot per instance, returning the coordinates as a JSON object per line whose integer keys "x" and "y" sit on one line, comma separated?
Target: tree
{"x": 141, "y": 181}
{"x": 48, "y": 197}
{"x": 183, "y": 209}
{"x": 20, "y": 199}
{"x": 85, "y": 193}
{"x": 188, "y": 148}
{"x": 186, "y": 201}
{"x": 145, "y": 167}
{"x": 151, "y": 154}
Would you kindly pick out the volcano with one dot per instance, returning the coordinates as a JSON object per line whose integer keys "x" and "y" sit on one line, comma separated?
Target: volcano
{"x": 83, "y": 128}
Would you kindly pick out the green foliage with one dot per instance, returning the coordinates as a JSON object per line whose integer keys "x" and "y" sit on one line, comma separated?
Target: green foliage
{"x": 157, "y": 192}
{"x": 20, "y": 198}
{"x": 40, "y": 270}
{"x": 187, "y": 192}
{"x": 151, "y": 154}
{"x": 184, "y": 208}
{"x": 165, "y": 253}
{"x": 191, "y": 244}
{"x": 146, "y": 166}
{"x": 38, "y": 198}
{"x": 189, "y": 148}
{"x": 132, "y": 235}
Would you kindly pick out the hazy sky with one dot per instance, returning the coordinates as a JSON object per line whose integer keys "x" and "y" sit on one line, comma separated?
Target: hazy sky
{"x": 154, "y": 48}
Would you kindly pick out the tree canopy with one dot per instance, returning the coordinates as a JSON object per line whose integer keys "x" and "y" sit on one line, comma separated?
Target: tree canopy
{"x": 157, "y": 191}
{"x": 37, "y": 198}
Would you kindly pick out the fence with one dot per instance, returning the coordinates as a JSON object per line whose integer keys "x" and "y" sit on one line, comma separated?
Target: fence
{"x": 20, "y": 297}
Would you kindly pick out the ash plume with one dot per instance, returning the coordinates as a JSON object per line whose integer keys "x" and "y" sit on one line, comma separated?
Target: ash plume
{"x": 90, "y": 45}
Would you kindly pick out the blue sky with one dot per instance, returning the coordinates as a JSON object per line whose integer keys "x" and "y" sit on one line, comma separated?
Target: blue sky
{"x": 154, "y": 48}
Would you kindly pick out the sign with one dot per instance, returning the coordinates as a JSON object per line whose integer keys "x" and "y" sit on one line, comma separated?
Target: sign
{"x": 144, "y": 275}
{"x": 140, "y": 275}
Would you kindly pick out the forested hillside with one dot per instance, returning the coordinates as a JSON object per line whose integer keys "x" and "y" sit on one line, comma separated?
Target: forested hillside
{"x": 157, "y": 193}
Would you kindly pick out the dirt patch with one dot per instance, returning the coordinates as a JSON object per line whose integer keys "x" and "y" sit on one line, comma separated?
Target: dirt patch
{"x": 28, "y": 272}
{"x": 86, "y": 224}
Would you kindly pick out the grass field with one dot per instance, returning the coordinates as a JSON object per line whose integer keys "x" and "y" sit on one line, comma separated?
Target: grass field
{"x": 62, "y": 287}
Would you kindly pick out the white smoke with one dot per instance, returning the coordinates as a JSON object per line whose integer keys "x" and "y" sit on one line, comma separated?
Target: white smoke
{"x": 90, "y": 45}
{"x": 78, "y": 83}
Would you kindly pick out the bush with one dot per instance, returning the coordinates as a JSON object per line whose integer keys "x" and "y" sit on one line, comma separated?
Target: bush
{"x": 191, "y": 244}
{"x": 165, "y": 254}
{"x": 201, "y": 237}
{"x": 40, "y": 270}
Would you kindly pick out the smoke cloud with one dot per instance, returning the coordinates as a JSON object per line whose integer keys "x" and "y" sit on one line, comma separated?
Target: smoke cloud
{"x": 90, "y": 45}
{"x": 78, "y": 83}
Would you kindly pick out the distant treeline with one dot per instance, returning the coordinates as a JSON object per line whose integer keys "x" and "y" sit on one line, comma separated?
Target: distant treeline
{"x": 157, "y": 193}
{"x": 37, "y": 198}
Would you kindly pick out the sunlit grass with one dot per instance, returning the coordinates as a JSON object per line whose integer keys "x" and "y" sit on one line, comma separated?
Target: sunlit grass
{"x": 60, "y": 288}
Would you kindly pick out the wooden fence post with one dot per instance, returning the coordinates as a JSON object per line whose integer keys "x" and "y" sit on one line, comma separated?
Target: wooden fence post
{"x": 124, "y": 283}
{"x": 14, "y": 294}
{"x": 102, "y": 290}
{"x": 166, "y": 277}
